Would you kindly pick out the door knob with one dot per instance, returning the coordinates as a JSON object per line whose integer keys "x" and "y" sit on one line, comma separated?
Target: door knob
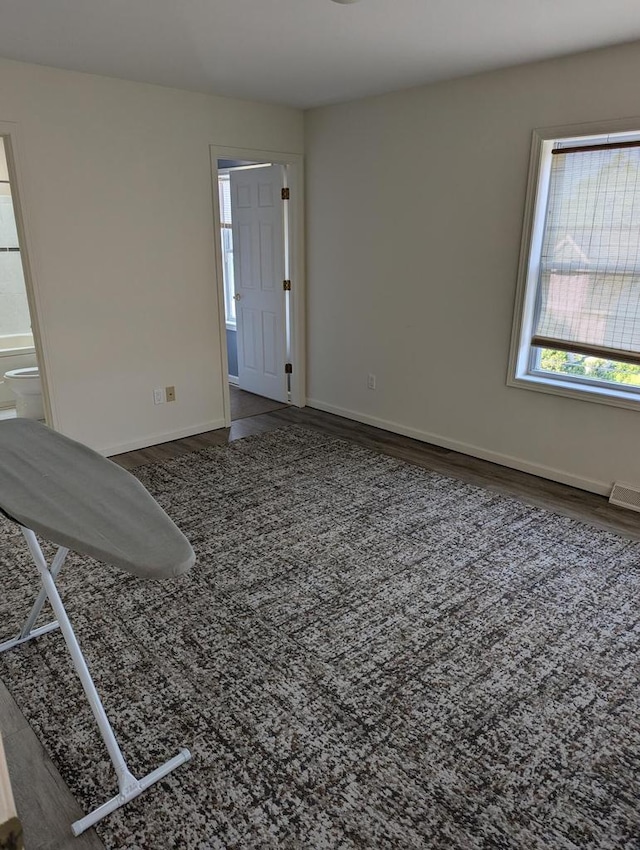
{"x": 237, "y": 296}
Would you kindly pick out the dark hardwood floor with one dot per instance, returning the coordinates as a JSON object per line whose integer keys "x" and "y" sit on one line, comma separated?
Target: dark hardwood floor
{"x": 245, "y": 404}
{"x": 44, "y": 801}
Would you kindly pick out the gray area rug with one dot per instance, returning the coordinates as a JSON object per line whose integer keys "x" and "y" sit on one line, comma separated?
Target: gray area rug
{"x": 365, "y": 655}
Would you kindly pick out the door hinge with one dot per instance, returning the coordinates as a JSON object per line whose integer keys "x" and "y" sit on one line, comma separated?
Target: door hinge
{"x": 285, "y": 194}
{"x": 286, "y": 285}
{"x": 288, "y": 369}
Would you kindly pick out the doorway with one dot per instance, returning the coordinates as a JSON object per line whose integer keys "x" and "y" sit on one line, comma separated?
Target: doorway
{"x": 259, "y": 250}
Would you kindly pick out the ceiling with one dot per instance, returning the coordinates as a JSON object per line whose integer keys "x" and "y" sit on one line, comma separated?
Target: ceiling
{"x": 304, "y": 53}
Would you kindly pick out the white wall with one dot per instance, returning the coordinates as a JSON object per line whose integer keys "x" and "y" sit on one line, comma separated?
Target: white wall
{"x": 116, "y": 187}
{"x": 415, "y": 205}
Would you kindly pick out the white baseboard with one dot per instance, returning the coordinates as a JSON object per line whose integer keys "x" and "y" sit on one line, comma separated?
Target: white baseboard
{"x": 601, "y": 487}
{"x": 234, "y": 379}
{"x": 163, "y": 437}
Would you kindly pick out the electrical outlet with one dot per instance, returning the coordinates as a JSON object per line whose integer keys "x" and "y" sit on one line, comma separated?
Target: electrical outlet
{"x": 158, "y": 396}
{"x": 371, "y": 381}
{"x": 171, "y": 393}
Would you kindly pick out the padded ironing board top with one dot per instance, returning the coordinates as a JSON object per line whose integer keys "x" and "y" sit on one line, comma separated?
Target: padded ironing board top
{"x": 75, "y": 498}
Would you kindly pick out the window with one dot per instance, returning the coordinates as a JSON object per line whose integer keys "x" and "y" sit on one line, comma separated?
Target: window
{"x": 577, "y": 323}
{"x": 226, "y": 240}
{"x": 15, "y": 322}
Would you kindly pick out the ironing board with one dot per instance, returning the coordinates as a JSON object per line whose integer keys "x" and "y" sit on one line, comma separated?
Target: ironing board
{"x": 76, "y": 499}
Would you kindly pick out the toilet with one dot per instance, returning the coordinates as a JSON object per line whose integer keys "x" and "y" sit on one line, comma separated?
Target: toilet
{"x": 27, "y": 388}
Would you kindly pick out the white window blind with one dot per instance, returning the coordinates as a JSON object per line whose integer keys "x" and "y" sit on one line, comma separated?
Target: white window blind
{"x": 224, "y": 192}
{"x": 226, "y": 241}
{"x": 588, "y": 299}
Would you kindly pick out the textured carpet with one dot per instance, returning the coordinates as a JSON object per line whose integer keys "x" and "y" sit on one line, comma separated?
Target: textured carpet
{"x": 365, "y": 655}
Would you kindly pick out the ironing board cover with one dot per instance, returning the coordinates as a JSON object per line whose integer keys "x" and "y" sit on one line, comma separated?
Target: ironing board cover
{"x": 74, "y": 497}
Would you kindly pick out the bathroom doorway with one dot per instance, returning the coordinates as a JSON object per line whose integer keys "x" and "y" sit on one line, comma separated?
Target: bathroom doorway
{"x": 20, "y": 381}
{"x": 260, "y": 288}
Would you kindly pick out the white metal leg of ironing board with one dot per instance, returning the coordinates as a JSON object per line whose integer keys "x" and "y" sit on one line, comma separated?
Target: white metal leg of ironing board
{"x": 129, "y": 787}
{"x": 27, "y": 632}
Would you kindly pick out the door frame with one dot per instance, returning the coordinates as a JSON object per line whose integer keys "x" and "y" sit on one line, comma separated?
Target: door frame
{"x": 13, "y": 146}
{"x": 295, "y": 173}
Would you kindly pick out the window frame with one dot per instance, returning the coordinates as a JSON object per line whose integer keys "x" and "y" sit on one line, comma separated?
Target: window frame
{"x": 522, "y": 354}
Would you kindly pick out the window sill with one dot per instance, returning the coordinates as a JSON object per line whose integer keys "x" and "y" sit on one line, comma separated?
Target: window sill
{"x": 588, "y": 392}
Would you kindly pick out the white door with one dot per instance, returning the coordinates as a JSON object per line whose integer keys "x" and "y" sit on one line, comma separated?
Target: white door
{"x": 257, "y": 216}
